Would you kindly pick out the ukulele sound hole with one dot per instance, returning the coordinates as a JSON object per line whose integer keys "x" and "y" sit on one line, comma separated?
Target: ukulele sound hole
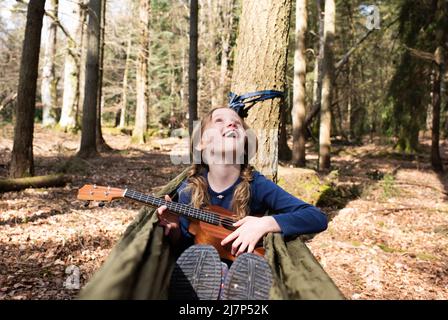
{"x": 227, "y": 223}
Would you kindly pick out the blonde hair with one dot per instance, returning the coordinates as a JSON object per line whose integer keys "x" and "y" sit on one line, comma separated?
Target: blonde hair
{"x": 197, "y": 183}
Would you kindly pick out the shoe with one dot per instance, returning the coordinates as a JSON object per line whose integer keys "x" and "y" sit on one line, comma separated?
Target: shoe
{"x": 196, "y": 275}
{"x": 249, "y": 278}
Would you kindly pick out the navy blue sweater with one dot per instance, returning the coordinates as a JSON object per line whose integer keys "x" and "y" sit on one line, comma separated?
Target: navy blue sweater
{"x": 293, "y": 215}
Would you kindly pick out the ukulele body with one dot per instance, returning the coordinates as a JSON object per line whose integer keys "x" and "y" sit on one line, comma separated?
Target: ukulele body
{"x": 206, "y": 233}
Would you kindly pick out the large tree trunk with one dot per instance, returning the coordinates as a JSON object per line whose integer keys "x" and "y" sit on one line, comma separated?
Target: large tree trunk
{"x": 141, "y": 112}
{"x": 88, "y": 137}
{"x": 260, "y": 64}
{"x": 211, "y": 10}
{"x": 100, "y": 142}
{"x": 70, "y": 97}
{"x": 48, "y": 85}
{"x": 193, "y": 67}
{"x": 22, "y": 153}
{"x": 327, "y": 76}
{"x": 124, "y": 95}
{"x": 299, "y": 102}
{"x": 227, "y": 18}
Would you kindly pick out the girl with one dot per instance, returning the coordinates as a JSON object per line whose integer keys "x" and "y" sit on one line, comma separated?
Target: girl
{"x": 218, "y": 178}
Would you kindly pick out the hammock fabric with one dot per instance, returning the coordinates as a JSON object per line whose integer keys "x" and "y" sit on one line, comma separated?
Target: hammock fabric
{"x": 140, "y": 265}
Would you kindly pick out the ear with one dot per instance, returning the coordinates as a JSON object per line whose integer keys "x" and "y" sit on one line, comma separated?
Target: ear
{"x": 199, "y": 146}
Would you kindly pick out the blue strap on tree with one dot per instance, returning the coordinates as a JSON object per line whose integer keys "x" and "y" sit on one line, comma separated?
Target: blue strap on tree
{"x": 241, "y": 104}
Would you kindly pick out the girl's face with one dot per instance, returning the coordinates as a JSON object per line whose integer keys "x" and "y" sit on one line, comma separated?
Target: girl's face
{"x": 223, "y": 137}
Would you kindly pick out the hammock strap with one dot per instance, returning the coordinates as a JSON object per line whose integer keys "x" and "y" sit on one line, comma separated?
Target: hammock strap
{"x": 238, "y": 103}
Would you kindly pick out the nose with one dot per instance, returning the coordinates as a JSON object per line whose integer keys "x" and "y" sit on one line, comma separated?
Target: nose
{"x": 231, "y": 124}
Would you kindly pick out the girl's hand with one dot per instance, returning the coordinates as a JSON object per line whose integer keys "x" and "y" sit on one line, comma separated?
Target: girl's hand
{"x": 169, "y": 221}
{"x": 250, "y": 231}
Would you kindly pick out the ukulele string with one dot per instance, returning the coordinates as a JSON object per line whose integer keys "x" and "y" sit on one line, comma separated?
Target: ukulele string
{"x": 225, "y": 221}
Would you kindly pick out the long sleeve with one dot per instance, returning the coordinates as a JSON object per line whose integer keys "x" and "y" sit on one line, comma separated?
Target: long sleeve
{"x": 184, "y": 198}
{"x": 293, "y": 215}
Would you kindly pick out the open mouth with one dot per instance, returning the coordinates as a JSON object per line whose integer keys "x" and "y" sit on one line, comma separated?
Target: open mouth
{"x": 230, "y": 134}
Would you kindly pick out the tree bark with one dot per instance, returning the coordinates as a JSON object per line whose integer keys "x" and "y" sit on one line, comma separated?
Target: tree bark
{"x": 22, "y": 163}
{"x": 284, "y": 152}
{"x": 141, "y": 112}
{"x": 88, "y": 137}
{"x": 7, "y": 185}
{"x": 299, "y": 101}
{"x": 124, "y": 95}
{"x": 210, "y": 9}
{"x": 327, "y": 76}
{"x": 100, "y": 142}
{"x": 70, "y": 97}
{"x": 227, "y": 25}
{"x": 317, "y": 85}
{"x": 260, "y": 64}
{"x": 49, "y": 82}
{"x": 193, "y": 67}
{"x": 442, "y": 10}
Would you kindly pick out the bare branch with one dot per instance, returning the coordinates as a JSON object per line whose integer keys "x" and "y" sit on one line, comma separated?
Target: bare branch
{"x": 423, "y": 55}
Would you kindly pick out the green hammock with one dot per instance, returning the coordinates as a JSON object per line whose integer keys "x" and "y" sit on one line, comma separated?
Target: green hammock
{"x": 140, "y": 265}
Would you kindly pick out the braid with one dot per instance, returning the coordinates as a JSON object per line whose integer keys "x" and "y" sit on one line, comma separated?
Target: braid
{"x": 197, "y": 185}
{"x": 241, "y": 195}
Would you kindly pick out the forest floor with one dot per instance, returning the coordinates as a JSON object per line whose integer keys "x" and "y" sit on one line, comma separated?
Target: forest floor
{"x": 390, "y": 242}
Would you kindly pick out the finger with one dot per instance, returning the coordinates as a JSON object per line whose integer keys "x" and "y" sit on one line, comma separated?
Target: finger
{"x": 230, "y": 237}
{"x": 161, "y": 209}
{"x": 167, "y": 229}
{"x": 235, "y": 246}
{"x": 242, "y": 248}
{"x": 240, "y": 222}
{"x": 167, "y": 198}
{"x": 251, "y": 248}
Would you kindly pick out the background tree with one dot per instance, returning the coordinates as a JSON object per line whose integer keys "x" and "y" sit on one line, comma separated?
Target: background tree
{"x": 89, "y": 118}
{"x": 327, "y": 77}
{"x": 124, "y": 99}
{"x": 141, "y": 113}
{"x": 193, "y": 66}
{"x": 22, "y": 163}
{"x": 72, "y": 65}
{"x": 299, "y": 89}
{"x": 410, "y": 86}
{"x": 100, "y": 142}
{"x": 441, "y": 41}
{"x": 49, "y": 80}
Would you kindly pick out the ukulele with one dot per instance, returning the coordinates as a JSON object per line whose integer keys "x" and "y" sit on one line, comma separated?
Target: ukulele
{"x": 209, "y": 225}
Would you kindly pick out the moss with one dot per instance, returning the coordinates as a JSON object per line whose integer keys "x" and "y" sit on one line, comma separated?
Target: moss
{"x": 356, "y": 243}
{"x": 302, "y": 183}
{"x": 74, "y": 165}
{"x": 426, "y": 256}
{"x": 136, "y": 140}
{"x": 388, "y": 249}
{"x": 389, "y": 189}
{"x": 307, "y": 185}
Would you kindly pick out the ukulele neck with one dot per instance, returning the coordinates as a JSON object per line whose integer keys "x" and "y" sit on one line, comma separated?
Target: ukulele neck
{"x": 174, "y": 207}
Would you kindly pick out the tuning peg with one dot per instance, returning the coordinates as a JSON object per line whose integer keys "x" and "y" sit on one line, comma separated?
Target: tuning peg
{"x": 101, "y": 204}
{"x": 86, "y": 204}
